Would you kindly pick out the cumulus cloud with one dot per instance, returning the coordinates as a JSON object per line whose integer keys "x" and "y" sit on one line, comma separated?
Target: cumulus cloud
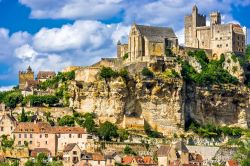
{"x": 6, "y": 88}
{"x": 73, "y": 9}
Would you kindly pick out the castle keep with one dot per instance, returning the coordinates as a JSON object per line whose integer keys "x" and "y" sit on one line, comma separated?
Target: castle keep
{"x": 220, "y": 38}
{"x": 25, "y": 76}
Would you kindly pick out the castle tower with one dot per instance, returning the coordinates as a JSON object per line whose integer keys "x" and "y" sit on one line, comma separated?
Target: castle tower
{"x": 215, "y": 18}
{"x": 25, "y": 76}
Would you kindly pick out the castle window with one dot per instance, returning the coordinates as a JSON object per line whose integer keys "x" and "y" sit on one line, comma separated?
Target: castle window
{"x": 20, "y": 136}
{"x": 226, "y": 45}
{"x": 30, "y": 142}
{"x": 220, "y": 38}
{"x": 1, "y": 128}
{"x": 25, "y": 135}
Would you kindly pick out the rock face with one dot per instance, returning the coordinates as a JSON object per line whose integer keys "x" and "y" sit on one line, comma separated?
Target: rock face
{"x": 159, "y": 103}
{"x": 166, "y": 105}
{"x": 227, "y": 105}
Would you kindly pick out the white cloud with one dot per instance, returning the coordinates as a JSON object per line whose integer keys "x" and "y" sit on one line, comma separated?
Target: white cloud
{"x": 73, "y": 9}
{"x": 6, "y": 88}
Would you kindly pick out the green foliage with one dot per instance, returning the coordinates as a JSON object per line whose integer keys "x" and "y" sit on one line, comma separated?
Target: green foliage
{"x": 200, "y": 56}
{"x": 242, "y": 154}
{"x": 151, "y": 133}
{"x": 42, "y": 160}
{"x": 129, "y": 151}
{"x": 125, "y": 56}
{"x": 169, "y": 52}
{"x": 36, "y": 101}
{"x": 235, "y": 68}
{"x": 24, "y": 117}
{"x": 12, "y": 99}
{"x": 107, "y": 131}
{"x": 147, "y": 73}
{"x": 7, "y": 143}
{"x": 124, "y": 73}
{"x": 170, "y": 74}
{"x": 6, "y": 93}
{"x": 89, "y": 122}
{"x": 67, "y": 120}
{"x": 54, "y": 82}
{"x": 123, "y": 134}
{"x": 107, "y": 73}
{"x": 212, "y": 131}
{"x": 212, "y": 72}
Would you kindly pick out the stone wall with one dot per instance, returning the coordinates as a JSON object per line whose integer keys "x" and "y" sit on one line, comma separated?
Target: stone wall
{"x": 88, "y": 74}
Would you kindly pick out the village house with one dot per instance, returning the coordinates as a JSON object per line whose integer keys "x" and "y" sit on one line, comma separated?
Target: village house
{"x": 138, "y": 161}
{"x": 7, "y": 124}
{"x": 45, "y": 75}
{"x": 94, "y": 159}
{"x": 68, "y": 135}
{"x": 71, "y": 154}
{"x": 174, "y": 153}
{"x": 43, "y": 135}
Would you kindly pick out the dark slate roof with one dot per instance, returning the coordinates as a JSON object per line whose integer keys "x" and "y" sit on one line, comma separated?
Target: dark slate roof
{"x": 156, "y": 34}
{"x": 180, "y": 146}
{"x": 69, "y": 147}
{"x": 163, "y": 150}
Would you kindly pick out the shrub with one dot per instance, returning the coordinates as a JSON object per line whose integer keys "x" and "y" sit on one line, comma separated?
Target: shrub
{"x": 169, "y": 52}
{"x": 151, "y": 133}
{"x": 124, "y": 73}
{"x": 125, "y": 56}
{"x": 107, "y": 73}
{"x": 67, "y": 120}
{"x": 40, "y": 100}
{"x": 147, "y": 73}
{"x": 6, "y": 143}
{"x": 170, "y": 74}
{"x": 107, "y": 131}
{"x": 128, "y": 150}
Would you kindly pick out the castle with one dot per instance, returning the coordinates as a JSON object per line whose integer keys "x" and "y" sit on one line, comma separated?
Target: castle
{"x": 218, "y": 37}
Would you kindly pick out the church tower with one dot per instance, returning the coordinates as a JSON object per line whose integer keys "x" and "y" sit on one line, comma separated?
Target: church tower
{"x": 25, "y": 76}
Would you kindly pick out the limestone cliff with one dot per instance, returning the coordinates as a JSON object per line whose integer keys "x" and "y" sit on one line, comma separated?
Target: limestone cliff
{"x": 159, "y": 103}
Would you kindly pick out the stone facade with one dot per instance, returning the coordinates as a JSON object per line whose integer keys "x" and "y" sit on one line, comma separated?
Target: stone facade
{"x": 220, "y": 38}
{"x": 147, "y": 43}
{"x": 25, "y": 76}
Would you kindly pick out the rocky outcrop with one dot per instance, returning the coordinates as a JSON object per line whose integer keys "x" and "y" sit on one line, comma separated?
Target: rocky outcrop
{"x": 219, "y": 105}
{"x": 167, "y": 105}
{"x": 159, "y": 103}
{"x": 233, "y": 66}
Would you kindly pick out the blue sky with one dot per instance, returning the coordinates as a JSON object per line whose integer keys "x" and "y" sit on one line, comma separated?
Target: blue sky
{"x": 53, "y": 34}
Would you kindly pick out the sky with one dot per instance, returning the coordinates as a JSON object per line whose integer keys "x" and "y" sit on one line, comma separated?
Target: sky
{"x": 53, "y": 34}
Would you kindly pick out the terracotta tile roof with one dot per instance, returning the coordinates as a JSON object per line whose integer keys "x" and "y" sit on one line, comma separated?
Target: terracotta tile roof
{"x": 175, "y": 163}
{"x": 232, "y": 163}
{"x": 36, "y": 151}
{"x": 42, "y": 127}
{"x": 189, "y": 165}
{"x": 32, "y": 83}
{"x": 30, "y": 127}
{"x": 69, "y": 147}
{"x": 149, "y": 160}
{"x": 69, "y": 130}
{"x": 163, "y": 150}
{"x": 98, "y": 157}
{"x": 127, "y": 160}
{"x": 45, "y": 74}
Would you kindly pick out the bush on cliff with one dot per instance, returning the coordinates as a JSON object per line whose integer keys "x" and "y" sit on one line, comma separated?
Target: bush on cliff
{"x": 147, "y": 73}
{"x": 212, "y": 71}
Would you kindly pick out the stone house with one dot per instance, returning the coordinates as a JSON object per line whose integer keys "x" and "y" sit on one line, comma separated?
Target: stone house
{"x": 174, "y": 153}
{"x": 138, "y": 161}
{"x": 218, "y": 37}
{"x": 7, "y": 124}
{"x": 43, "y": 135}
{"x": 68, "y": 135}
{"x": 45, "y": 75}
{"x": 95, "y": 159}
{"x": 36, "y": 135}
{"x": 71, "y": 154}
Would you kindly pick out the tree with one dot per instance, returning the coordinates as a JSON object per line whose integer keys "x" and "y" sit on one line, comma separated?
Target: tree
{"x": 107, "y": 131}
{"x": 107, "y": 73}
{"x": 12, "y": 99}
{"x": 147, "y": 73}
{"x": 6, "y": 143}
{"x": 24, "y": 117}
{"x": 123, "y": 134}
{"x": 41, "y": 160}
{"x": 67, "y": 120}
{"x": 29, "y": 163}
{"x": 89, "y": 124}
{"x": 129, "y": 151}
